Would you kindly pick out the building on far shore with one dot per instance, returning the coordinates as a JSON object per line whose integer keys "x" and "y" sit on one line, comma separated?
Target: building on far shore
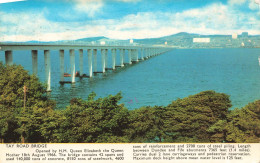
{"x": 202, "y": 40}
{"x": 244, "y": 34}
{"x": 102, "y": 43}
{"x": 234, "y": 36}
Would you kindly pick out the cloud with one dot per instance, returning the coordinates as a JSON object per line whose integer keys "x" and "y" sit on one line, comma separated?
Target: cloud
{"x": 213, "y": 19}
{"x": 90, "y": 7}
{"x": 251, "y": 4}
{"x": 236, "y": 2}
{"x": 128, "y": 1}
{"x": 9, "y": 1}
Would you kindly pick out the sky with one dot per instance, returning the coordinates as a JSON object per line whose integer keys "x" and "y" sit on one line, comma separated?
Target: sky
{"x": 54, "y": 20}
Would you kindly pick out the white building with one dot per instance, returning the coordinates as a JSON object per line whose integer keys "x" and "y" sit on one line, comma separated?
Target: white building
{"x": 234, "y": 36}
{"x": 201, "y": 40}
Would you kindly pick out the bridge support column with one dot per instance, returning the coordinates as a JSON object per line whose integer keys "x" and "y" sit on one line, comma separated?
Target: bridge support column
{"x": 61, "y": 65}
{"x": 47, "y": 60}
{"x": 135, "y": 55}
{"x": 9, "y": 57}
{"x": 129, "y": 56}
{"x": 113, "y": 58}
{"x": 35, "y": 62}
{"x": 72, "y": 65}
{"x": 142, "y": 54}
{"x": 103, "y": 52}
{"x": 90, "y": 62}
{"x": 95, "y": 59}
{"x": 106, "y": 58}
{"x": 122, "y": 57}
{"x": 81, "y": 62}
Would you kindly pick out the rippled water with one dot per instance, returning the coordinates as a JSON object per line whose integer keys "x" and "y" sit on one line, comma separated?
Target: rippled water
{"x": 161, "y": 79}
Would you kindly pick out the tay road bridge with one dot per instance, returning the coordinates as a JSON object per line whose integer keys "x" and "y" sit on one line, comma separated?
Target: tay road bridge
{"x": 135, "y": 54}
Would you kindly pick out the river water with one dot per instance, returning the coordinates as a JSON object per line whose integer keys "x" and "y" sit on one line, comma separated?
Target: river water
{"x": 161, "y": 79}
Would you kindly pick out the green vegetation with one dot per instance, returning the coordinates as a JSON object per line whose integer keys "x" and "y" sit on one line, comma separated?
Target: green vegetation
{"x": 203, "y": 117}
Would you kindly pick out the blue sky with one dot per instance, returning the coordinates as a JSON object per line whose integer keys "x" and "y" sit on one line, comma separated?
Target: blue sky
{"x": 52, "y": 20}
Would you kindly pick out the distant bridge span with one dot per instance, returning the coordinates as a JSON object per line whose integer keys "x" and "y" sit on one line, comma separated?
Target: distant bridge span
{"x": 135, "y": 54}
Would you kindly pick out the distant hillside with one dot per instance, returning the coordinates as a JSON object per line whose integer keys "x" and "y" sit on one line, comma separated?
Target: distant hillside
{"x": 92, "y": 39}
{"x": 185, "y": 40}
{"x": 181, "y": 40}
{"x": 171, "y": 40}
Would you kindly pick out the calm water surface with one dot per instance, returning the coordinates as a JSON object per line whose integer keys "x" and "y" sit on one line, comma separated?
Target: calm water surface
{"x": 161, "y": 79}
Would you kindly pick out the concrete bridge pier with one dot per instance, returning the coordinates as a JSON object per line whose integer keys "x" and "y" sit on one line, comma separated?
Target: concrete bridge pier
{"x": 95, "y": 59}
{"x": 146, "y": 53}
{"x": 81, "y": 62}
{"x": 47, "y": 63}
{"x": 124, "y": 54}
{"x": 35, "y": 62}
{"x": 142, "y": 54}
{"x": 106, "y": 58}
{"x": 135, "y": 55}
{"x": 9, "y": 57}
{"x": 90, "y": 72}
{"x": 72, "y": 65}
{"x": 103, "y": 53}
{"x": 122, "y": 51}
{"x": 113, "y": 59}
{"x": 129, "y": 56}
{"x": 61, "y": 65}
